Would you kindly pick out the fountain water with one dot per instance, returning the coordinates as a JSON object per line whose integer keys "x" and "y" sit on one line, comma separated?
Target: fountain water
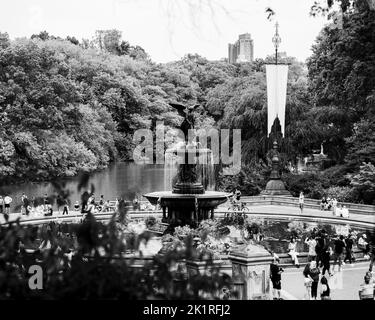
{"x": 205, "y": 168}
{"x": 190, "y": 175}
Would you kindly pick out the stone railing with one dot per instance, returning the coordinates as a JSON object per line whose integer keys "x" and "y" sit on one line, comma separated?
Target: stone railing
{"x": 355, "y": 208}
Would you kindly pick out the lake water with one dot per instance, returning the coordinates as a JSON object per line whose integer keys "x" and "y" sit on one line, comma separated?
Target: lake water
{"x": 121, "y": 179}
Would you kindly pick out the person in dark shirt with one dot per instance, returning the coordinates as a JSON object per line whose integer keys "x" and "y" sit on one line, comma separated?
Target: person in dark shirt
{"x": 275, "y": 275}
{"x": 325, "y": 290}
{"x": 312, "y": 272}
{"x": 339, "y": 251}
{"x": 349, "y": 242}
{"x": 237, "y": 194}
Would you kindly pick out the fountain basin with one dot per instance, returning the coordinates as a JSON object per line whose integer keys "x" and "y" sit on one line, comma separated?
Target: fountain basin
{"x": 187, "y": 208}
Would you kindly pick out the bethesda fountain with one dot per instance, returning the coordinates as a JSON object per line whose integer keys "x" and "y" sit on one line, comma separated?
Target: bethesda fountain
{"x": 189, "y": 172}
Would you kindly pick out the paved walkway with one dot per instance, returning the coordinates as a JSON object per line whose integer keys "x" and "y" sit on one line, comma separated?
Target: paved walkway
{"x": 307, "y": 212}
{"x": 344, "y": 285}
{"x": 269, "y": 210}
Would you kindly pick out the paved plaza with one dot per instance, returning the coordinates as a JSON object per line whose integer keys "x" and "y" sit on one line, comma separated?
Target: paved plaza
{"x": 344, "y": 285}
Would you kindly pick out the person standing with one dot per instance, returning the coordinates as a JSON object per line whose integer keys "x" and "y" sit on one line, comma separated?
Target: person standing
{"x": 301, "y": 201}
{"x": 311, "y": 242}
{"x": 1, "y": 204}
{"x": 275, "y": 275}
{"x": 311, "y": 272}
{"x": 293, "y": 251}
{"x": 23, "y": 206}
{"x": 66, "y": 207}
{"x": 334, "y": 206}
{"x": 237, "y": 194}
{"x": 366, "y": 289}
{"x": 372, "y": 254}
{"x": 7, "y": 201}
{"x": 338, "y": 252}
{"x": 325, "y": 290}
{"x": 349, "y": 249}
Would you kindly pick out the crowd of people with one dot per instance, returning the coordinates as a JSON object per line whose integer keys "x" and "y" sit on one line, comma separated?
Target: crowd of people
{"x": 43, "y": 206}
{"x": 328, "y": 203}
{"x": 322, "y": 250}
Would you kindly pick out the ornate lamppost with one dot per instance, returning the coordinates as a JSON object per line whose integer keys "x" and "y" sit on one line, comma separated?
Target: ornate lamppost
{"x": 277, "y": 78}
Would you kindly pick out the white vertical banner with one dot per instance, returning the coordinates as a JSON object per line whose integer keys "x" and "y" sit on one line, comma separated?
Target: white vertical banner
{"x": 277, "y": 78}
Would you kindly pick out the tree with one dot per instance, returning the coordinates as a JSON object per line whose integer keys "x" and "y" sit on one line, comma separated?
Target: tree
{"x": 364, "y": 182}
{"x": 341, "y": 78}
{"x": 72, "y": 40}
{"x": 4, "y": 40}
{"x": 361, "y": 145}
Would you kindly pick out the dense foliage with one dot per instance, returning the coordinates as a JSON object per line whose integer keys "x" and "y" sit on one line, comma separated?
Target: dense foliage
{"x": 68, "y": 106}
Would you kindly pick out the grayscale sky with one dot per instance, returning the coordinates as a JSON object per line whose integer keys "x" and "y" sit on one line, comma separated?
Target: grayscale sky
{"x": 169, "y": 29}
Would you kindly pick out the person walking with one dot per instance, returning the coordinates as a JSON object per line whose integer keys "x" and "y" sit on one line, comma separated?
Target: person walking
{"x": 338, "y": 252}
{"x": 311, "y": 242}
{"x": 275, "y": 275}
{"x": 311, "y": 272}
{"x": 325, "y": 252}
{"x": 293, "y": 251}
{"x": 325, "y": 291}
{"x": 301, "y": 201}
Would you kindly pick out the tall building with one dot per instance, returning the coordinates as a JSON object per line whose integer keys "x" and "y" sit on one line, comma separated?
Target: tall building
{"x": 242, "y": 50}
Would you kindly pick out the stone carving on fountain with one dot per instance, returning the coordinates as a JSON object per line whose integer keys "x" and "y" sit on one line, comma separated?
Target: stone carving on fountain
{"x": 188, "y": 202}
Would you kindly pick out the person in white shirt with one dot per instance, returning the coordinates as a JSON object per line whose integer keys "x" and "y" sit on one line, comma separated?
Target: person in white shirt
{"x": 345, "y": 212}
{"x": 301, "y": 201}
{"x": 293, "y": 251}
{"x": 334, "y": 206}
{"x": 7, "y": 201}
{"x": 311, "y": 242}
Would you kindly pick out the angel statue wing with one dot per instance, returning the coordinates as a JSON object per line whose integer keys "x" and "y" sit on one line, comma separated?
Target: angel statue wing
{"x": 194, "y": 107}
{"x": 179, "y": 107}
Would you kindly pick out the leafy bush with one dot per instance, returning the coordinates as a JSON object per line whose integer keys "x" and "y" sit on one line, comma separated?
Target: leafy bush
{"x": 312, "y": 185}
{"x": 250, "y": 181}
{"x": 342, "y": 194}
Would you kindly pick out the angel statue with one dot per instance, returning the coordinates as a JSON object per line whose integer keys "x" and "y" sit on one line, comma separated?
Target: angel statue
{"x": 187, "y": 113}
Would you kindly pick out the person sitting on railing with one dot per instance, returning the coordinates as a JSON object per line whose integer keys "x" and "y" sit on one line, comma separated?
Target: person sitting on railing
{"x": 344, "y": 212}
{"x": 48, "y": 211}
{"x": 328, "y": 204}
{"x": 76, "y": 206}
{"x": 106, "y": 206}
